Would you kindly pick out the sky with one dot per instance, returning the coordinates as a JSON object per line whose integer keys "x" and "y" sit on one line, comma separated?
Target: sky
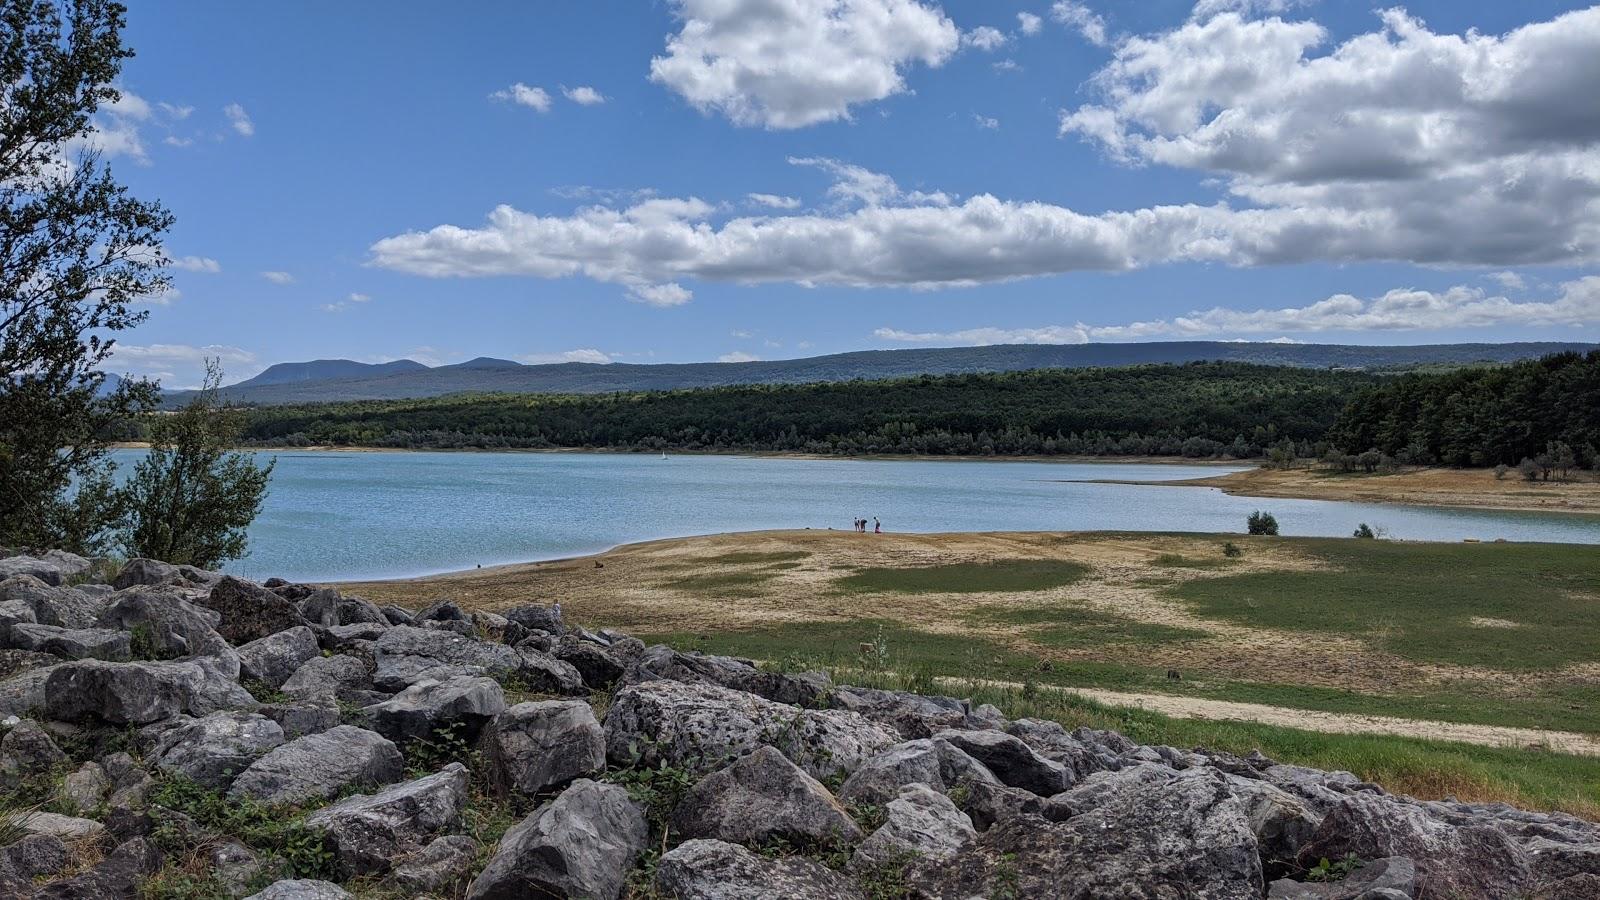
{"x": 690, "y": 180}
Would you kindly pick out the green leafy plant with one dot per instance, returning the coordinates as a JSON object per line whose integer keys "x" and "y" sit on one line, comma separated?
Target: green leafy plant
{"x": 1232, "y": 550}
{"x": 1335, "y": 870}
{"x": 275, "y": 830}
{"x": 1260, "y": 522}
{"x": 1365, "y": 532}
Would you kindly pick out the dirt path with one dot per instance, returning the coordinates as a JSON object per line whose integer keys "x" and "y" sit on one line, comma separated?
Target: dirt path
{"x": 1343, "y": 723}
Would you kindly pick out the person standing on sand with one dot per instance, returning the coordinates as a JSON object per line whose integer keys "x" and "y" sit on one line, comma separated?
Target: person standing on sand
{"x": 877, "y": 527}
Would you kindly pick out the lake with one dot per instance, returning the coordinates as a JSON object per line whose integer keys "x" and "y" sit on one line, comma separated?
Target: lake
{"x": 332, "y": 515}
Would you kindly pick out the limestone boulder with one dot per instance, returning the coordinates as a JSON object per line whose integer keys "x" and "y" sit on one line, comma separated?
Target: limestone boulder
{"x": 919, "y": 822}
{"x": 213, "y": 749}
{"x": 717, "y": 870}
{"x": 137, "y": 693}
{"x": 368, "y": 833}
{"x": 760, "y": 798}
{"x": 580, "y": 844}
{"x": 533, "y": 747}
{"x": 319, "y": 766}
{"x": 936, "y": 763}
{"x": 272, "y": 659}
{"x": 248, "y": 611}
{"x": 71, "y": 643}
{"x": 461, "y": 704}
{"x": 404, "y": 654}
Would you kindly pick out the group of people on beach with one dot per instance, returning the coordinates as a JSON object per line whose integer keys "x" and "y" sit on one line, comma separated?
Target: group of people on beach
{"x": 861, "y": 526}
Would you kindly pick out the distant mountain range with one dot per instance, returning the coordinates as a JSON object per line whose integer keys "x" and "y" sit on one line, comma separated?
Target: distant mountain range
{"x": 328, "y": 380}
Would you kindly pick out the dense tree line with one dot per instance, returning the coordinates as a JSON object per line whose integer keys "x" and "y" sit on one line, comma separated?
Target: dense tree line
{"x": 1195, "y": 410}
{"x": 1546, "y": 411}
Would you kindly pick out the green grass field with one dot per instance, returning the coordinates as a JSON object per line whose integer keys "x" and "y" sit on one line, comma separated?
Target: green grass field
{"x": 1514, "y": 607}
{"x": 1004, "y": 576}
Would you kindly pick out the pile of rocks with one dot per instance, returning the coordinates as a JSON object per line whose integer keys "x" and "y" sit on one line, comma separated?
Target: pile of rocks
{"x": 700, "y": 777}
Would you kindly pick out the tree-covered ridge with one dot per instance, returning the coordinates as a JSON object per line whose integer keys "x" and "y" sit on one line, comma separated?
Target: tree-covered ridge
{"x": 1481, "y": 416}
{"x": 1197, "y": 410}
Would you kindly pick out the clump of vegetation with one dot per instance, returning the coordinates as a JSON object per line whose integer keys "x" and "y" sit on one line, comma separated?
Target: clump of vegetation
{"x": 1007, "y": 575}
{"x": 277, "y": 831}
{"x": 1365, "y": 532}
{"x": 1232, "y": 550}
{"x": 1335, "y": 870}
{"x": 190, "y": 499}
{"x": 1260, "y": 522}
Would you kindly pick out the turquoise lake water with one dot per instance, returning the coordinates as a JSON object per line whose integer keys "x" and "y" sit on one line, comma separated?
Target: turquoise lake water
{"x": 372, "y": 515}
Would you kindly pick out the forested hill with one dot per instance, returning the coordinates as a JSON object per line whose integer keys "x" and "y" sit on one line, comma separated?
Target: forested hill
{"x": 1197, "y": 410}
{"x": 338, "y": 380}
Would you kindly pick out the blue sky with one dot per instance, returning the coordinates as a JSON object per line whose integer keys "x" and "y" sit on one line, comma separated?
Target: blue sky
{"x": 931, "y": 175}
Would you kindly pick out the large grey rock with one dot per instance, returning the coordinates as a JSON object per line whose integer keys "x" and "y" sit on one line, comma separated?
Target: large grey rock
{"x": 301, "y": 719}
{"x": 717, "y": 870}
{"x": 436, "y": 868}
{"x": 533, "y": 747}
{"x": 71, "y": 643}
{"x": 1012, "y": 761}
{"x": 52, "y": 568}
{"x": 702, "y": 727}
{"x": 249, "y": 612}
{"x": 1283, "y": 823}
{"x": 154, "y": 572}
{"x": 302, "y": 889}
{"x": 33, "y": 856}
{"x": 271, "y": 660}
{"x": 85, "y": 788}
{"x": 212, "y": 749}
{"x": 67, "y": 828}
{"x": 63, "y": 607}
{"x": 368, "y": 833}
{"x": 136, "y": 693}
{"x": 1392, "y": 873}
{"x": 463, "y": 704}
{"x": 27, "y": 750}
{"x": 1184, "y": 836}
{"x": 536, "y": 617}
{"x": 329, "y": 678}
{"x": 12, "y": 614}
{"x": 581, "y": 844}
{"x": 544, "y": 673}
{"x": 1452, "y": 860}
{"x": 730, "y": 672}
{"x": 327, "y": 607}
{"x": 763, "y": 797}
{"x": 404, "y": 654}
{"x": 1053, "y": 742}
{"x": 597, "y": 667}
{"x": 918, "y": 822}
{"x": 319, "y": 766}
{"x": 23, "y": 693}
{"x": 163, "y": 621}
{"x": 118, "y": 875}
{"x": 912, "y": 715}
{"x": 936, "y": 763}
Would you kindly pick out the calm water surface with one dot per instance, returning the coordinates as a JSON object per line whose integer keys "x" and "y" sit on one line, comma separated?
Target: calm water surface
{"x": 370, "y": 515}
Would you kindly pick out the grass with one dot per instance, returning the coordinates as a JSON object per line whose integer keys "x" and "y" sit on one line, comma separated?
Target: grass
{"x": 1006, "y": 576}
{"x": 1530, "y": 778}
{"x": 1418, "y": 601}
{"x": 1070, "y": 627}
{"x": 1179, "y": 561}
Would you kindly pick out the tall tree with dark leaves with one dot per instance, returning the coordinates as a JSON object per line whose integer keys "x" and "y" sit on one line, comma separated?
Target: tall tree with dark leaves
{"x": 77, "y": 251}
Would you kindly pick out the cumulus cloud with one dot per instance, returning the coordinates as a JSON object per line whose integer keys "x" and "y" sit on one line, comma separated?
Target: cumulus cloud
{"x": 535, "y": 98}
{"x": 1511, "y": 281}
{"x": 1029, "y": 23}
{"x": 792, "y": 63}
{"x": 986, "y": 121}
{"x": 738, "y": 356}
{"x": 239, "y": 120}
{"x": 1486, "y": 142}
{"x": 585, "y": 355}
{"x": 1208, "y": 8}
{"x": 985, "y": 37}
{"x": 774, "y": 201}
{"x": 197, "y": 264}
{"x": 1078, "y": 16}
{"x": 278, "y": 277}
{"x": 1576, "y": 304}
{"x": 583, "y": 95}
{"x": 160, "y": 361}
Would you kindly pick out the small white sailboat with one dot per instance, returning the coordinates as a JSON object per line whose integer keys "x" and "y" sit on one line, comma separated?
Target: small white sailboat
{"x": 663, "y": 456}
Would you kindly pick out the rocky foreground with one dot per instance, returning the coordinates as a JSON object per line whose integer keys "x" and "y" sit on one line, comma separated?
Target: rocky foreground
{"x": 172, "y": 732}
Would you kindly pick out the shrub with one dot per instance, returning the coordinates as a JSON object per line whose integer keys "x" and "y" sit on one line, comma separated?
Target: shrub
{"x": 1365, "y": 531}
{"x": 1262, "y": 523}
{"x": 1232, "y": 550}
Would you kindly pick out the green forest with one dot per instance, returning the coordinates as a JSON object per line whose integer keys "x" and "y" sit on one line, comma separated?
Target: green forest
{"x": 1478, "y": 416}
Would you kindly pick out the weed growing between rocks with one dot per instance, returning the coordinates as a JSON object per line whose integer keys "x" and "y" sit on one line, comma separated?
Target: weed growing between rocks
{"x": 277, "y": 831}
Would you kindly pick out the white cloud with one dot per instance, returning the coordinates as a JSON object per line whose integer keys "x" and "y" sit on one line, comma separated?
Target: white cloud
{"x": 1510, "y": 281}
{"x": 162, "y": 360}
{"x": 278, "y": 277}
{"x": 197, "y": 264}
{"x": 173, "y": 140}
{"x": 793, "y": 63}
{"x": 1205, "y": 9}
{"x": 774, "y": 201}
{"x": 1007, "y": 65}
{"x": 535, "y": 98}
{"x": 585, "y": 355}
{"x": 1029, "y": 23}
{"x": 662, "y": 295}
{"x": 349, "y": 301}
{"x": 1467, "y": 148}
{"x": 985, "y": 38}
{"x": 1087, "y": 22}
{"x": 738, "y": 356}
{"x": 174, "y": 112}
{"x": 1576, "y": 304}
{"x": 986, "y": 121}
{"x": 239, "y": 120}
{"x": 742, "y": 334}
{"x": 583, "y": 95}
